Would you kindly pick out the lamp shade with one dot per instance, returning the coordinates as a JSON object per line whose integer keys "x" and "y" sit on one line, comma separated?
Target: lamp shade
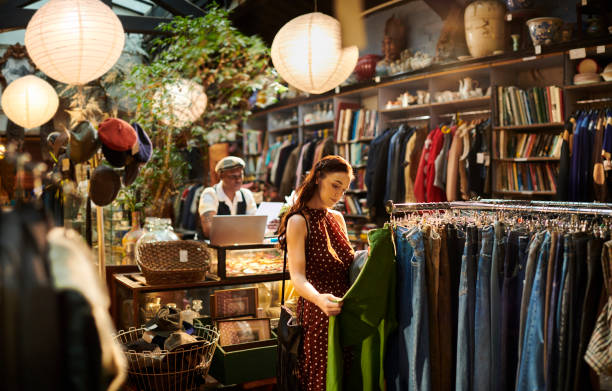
{"x": 74, "y": 41}
{"x": 180, "y": 103}
{"x": 29, "y": 101}
{"x": 307, "y": 52}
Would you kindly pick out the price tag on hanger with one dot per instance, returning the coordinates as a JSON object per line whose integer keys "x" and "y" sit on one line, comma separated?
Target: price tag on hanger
{"x": 577, "y": 53}
{"x": 601, "y": 49}
{"x": 508, "y": 17}
{"x": 480, "y": 157}
{"x": 607, "y": 165}
{"x": 538, "y": 49}
{"x": 377, "y": 79}
{"x": 337, "y": 89}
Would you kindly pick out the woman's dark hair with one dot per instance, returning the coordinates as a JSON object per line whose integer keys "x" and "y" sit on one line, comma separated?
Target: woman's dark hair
{"x": 307, "y": 189}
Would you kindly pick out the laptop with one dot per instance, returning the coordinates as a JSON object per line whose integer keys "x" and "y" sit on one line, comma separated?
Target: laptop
{"x": 238, "y": 229}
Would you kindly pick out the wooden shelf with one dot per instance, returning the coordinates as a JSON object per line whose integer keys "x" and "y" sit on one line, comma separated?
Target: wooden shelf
{"x": 527, "y": 159}
{"x": 283, "y": 130}
{"x": 458, "y": 105}
{"x": 320, "y": 123}
{"x": 524, "y": 192}
{"x": 405, "y": 109}
{"x": 590, "y": 87}
{"x": 551, "y": 125}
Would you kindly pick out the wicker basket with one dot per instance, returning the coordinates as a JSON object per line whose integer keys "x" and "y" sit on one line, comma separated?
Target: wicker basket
{"x": 183, "y": 368}
{"x": 173, "y": 262}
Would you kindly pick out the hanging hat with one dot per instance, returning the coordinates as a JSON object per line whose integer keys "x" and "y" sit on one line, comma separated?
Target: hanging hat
{"x": 104, "y": 185}
{"x": 145, "y": 147}
{"x": 115, "y": 158}
{"x": 83, "y": 142}
{"x": 117, "y": 134}
{"x": 57, "y": 141}
{"x": 228, "y": 163}
{"x": 131, "y": 171}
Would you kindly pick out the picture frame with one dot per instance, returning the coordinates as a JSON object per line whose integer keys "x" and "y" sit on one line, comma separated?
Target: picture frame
{"x": 233, "y": 303}
{"x": 237, "y": 334}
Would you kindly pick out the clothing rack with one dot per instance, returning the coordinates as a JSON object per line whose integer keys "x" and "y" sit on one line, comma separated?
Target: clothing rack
{"x": 575, "y": 208}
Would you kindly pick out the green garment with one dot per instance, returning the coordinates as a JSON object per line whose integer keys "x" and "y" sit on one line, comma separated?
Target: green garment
{"x": 366, "y": 320}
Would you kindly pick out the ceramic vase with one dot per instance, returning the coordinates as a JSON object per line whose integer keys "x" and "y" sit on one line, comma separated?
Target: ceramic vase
{"x": 484, "y": 27}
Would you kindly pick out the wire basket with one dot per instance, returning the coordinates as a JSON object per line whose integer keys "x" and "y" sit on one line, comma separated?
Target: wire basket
{"x": 171, "y": 262}
{"x": 182, "y": 369}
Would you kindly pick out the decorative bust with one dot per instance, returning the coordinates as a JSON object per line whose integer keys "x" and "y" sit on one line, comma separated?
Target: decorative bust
{"x": 394, "y": 40}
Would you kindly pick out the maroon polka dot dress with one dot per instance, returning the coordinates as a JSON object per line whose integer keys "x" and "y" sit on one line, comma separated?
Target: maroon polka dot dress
{"x": 328, "y": 258}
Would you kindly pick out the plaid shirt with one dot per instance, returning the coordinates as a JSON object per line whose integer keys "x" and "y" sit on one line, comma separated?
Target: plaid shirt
{"x": 599, "y": 352}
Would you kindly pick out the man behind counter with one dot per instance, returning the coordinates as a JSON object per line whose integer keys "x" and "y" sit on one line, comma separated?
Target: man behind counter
{"x": 226, "y": 197}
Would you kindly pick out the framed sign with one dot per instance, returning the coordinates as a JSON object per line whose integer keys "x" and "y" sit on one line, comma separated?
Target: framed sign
{"x": 232, "y": 303}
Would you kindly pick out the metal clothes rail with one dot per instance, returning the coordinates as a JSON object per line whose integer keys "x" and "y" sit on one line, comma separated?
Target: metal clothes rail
{"x": 553, "y": 207}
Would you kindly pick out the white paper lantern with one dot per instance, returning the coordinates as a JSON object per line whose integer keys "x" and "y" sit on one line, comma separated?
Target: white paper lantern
{"x": 74, "y": 41}
{"x": 29, "y": 101}
{"x": 307, "y": 52}
{"x": 181, "y": 103}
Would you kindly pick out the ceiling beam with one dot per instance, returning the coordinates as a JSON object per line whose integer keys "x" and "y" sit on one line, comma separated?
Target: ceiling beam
{"x": 181, "y": 7}
{"x": 20, "y": 17}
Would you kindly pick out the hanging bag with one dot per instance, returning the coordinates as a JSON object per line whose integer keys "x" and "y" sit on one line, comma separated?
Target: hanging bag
{"x": 289, "y": 342}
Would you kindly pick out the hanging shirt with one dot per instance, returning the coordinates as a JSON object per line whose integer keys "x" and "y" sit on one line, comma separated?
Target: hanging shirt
{"x": 368, "y": 317}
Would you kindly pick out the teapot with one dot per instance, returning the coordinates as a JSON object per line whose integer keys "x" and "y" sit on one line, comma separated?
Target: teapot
{"x": 466, "y": 85}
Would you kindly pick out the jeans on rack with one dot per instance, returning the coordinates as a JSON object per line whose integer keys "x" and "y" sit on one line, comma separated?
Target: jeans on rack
{"x": 552, "y": 361}
{"x": 563, "y": 309}
{"x": 531, "y": 363}
{"x": 407, "y": 364}
{"x": 413, "y": 350}
{"x": 465, "y": 329}
{"x": 579, "y": 263}
{"x": 445, "y": 316}
{"x": 497, "y": 279}
{"x": 532, "y": 261}
{"x": 594, "y": 288}
{"x": 482, "y": 318}
{"x": 554, "y": 237}
{"x": 455, "y": 243}
{"x": 432, "y": 270}
{"x": 514, "y": 265}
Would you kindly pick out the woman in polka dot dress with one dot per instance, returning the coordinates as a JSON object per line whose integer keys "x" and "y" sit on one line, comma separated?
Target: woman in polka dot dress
{"x": 319, "y": 256}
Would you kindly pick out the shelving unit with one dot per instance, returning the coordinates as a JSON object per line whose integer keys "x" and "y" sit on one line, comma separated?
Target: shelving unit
{"x": 522, "y": 69}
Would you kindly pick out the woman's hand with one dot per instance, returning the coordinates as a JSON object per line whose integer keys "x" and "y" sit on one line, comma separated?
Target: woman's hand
{"x": 329, "y": 304}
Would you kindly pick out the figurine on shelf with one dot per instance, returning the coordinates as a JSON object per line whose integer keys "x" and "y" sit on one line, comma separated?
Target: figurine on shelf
{"x": 394, "y": 42}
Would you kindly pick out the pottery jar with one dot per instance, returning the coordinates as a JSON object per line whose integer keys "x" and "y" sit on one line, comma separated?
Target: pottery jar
{"x": 484, "y": 27}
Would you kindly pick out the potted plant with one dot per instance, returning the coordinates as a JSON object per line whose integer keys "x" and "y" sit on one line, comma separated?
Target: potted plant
{"x": 229, "y": 65}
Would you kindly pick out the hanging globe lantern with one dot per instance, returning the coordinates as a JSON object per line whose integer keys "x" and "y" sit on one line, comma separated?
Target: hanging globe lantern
{"x": 180, "y": 103}
{"x": 74, "y": 41}
{"x": 29, "y": 101}
{"x": 307, "y": 52}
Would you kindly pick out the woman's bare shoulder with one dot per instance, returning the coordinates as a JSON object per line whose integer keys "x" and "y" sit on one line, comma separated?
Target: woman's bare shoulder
{"x": 296, "y": 223}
